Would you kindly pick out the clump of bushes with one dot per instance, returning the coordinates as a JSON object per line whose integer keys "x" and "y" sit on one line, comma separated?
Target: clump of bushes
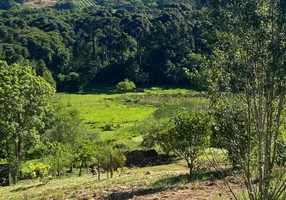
{"x": 38, "y": 171}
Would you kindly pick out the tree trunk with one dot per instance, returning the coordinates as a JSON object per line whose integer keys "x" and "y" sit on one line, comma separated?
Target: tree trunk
{"x": 80, "y": 169}
{"x": 93, "y": 44}
{"x": 71, "y": 168}
{"x": 111, "y": 167}
{"x": 10, "y": 177}
{"x": 190, "y": 166}
{"x": 98, "y": 168}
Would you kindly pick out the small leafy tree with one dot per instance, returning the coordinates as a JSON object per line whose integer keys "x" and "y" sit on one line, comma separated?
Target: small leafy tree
{"x": 66, "y": 127}
{"x": 190, "y": 136}
{"x": 126, "y": 86}
{"x": 59, "y": 157}
{"x": 39, "y": 171}
{"x": 155, "y": 135}
{"x": 110, "y": 157}
{"x": 85, "y": 152}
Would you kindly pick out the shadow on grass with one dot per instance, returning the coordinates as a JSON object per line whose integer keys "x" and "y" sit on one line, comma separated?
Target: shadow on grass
{"x": 169, "y": 182}
{"x": 28, "y": 187}
{"x": 129, "y": 195}
{"x": 184, "y": 179}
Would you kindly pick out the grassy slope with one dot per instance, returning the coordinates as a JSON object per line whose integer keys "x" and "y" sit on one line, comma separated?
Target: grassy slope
{"x": 127, "y": 183}
{"x": 74, "y": 186}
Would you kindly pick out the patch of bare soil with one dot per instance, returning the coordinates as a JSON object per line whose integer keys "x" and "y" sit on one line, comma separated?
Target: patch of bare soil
{"x": 197, "y": 190}
{"x": 203, "y": 190}
{"x": 41, "y": 3}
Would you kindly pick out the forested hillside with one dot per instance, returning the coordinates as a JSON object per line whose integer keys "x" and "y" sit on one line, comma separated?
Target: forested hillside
{"x": 153, "y": 46}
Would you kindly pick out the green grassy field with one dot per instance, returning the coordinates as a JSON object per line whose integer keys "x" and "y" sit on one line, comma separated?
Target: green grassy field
{"x": 114, "y": 115}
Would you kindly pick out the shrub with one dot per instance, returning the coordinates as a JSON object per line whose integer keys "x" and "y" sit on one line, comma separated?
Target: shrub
{"x": 38, "y": 170}
{"x": 126, "y": 86}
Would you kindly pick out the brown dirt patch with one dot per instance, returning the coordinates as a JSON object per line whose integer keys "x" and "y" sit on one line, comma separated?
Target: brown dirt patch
{"x": 41, "y": 3}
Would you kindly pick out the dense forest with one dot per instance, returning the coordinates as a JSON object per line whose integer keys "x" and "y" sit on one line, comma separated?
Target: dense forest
{"x": 105, "y": 45}
{"x": 232, "y": 52}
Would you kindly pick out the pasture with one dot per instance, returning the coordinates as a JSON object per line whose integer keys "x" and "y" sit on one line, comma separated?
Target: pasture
{"x": 118, "y": 116}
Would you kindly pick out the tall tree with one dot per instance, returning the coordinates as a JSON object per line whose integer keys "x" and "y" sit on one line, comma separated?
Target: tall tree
{"x": 24, "y": 102}
{"x": 250, "y": 62}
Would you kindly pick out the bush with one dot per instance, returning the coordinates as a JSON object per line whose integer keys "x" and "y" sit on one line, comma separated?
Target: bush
{"x": 126, "y": 86}
{"x": 38, "y": 170}
{"x": 108, "y": 127}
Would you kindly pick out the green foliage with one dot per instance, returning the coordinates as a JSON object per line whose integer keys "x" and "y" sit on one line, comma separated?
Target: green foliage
{"x": 42, "y": 70}
{"x": 187, "y": 135}
{"x": 38, "y": 171}
{"x": 103, "y": 45}
{"x": 247, "y": 63}
{"x": 85, "y": 152}
{"x": 190, "y": 136}
{"x": 155, "y": 135}
{"x": 24, "y": 103}
{"x": 110, "y": 157}
{"x": 66, "y": 125}
{"x": 230, "y": 129}
{"x": 59, "y": 158}
{"x": 7, "y": 4}
{"x": 126, "y": 86}
{"x": 281, "y": 152}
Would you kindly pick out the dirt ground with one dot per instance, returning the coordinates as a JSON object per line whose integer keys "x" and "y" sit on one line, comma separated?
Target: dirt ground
{"x": 198, "y": 190}
{"x": 41, "y": 3}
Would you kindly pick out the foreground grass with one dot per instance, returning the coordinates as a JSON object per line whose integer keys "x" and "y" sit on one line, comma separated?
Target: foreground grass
{"x": 146, "y": 182}
{"x": 73, "y": 186}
